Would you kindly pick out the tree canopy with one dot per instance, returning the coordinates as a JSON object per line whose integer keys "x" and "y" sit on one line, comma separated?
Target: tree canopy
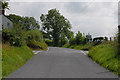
{"x": 55, "y": 25}
{"x": 24, "y": 23}
{"x": 4, "y": 5}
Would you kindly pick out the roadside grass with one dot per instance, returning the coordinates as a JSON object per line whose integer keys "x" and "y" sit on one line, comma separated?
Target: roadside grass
{"x": 14, "y": 57}
{"x": 35, "y": 45}
{"x": 106, "y": 55}
{"x": 79, "y": 47}
{"x": 84, "y": 47}
{"x": 66, "y": 46}
{"x": 34, "y": 40}
{"x": 17, "y": 54}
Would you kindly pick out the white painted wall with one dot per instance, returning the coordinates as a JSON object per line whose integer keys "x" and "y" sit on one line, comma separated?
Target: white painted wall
{"x": 6, "y": 22}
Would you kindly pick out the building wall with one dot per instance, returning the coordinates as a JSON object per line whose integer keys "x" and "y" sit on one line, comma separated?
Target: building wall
{"x": 6, "y": 22}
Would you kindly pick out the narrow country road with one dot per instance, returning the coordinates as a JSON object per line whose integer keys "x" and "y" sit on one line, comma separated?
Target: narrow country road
{"x": 61, "y": 63}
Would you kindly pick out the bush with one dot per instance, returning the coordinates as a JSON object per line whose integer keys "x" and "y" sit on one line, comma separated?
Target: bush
{"x": 49, "y": 42}
{"x": 16, "y": 41}
{"x": 83, "y": 47}
{"x": 63, "y": 41}
{"x": 119, "y": 39}
{"x": 66, "y": 46}
{"x": 72, "y": 41}
{"x": 34, "y": 40}
{"x": 34, "y": 35}
{"x": 13, "y": 37}
{"x": 79, "y": 47}
{"x": 97, "y": 43}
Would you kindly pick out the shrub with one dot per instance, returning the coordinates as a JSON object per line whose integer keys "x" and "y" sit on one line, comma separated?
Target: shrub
{"x": 15, "y": 41}
{"x": 13, "y": 37}
{"x": 63, "y": 41}
{"x": 34, "y": 40}
{"x": 119, "y": 39}
{"x": 72, "y": 41}
{"x": 49, "y": 42}
{"x": 82, "y": 47}
{"x": 34, "y": 35}
{"x": 66, "y": 46}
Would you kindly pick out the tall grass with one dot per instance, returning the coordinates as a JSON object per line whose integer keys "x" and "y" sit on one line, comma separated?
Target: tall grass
{"x": 106, "y": 55}
{"x": 14, "y": 57}
{"x": 79, "y": 47}
{"x": 34, "y": 40}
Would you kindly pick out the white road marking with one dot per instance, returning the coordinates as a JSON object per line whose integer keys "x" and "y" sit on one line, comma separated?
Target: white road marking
{"x": 36, "y": 52}
{"x": 84, "y": 52}
{"x": 48, "y": 49}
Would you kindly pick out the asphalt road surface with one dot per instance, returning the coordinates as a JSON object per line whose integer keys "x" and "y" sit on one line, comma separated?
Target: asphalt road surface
{"x": 61, "y": 63}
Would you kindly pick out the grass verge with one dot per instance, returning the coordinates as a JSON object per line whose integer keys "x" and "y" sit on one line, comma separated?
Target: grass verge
{"x": 79, "y": 47}
{"x": 34, "y": 40}
{"x": 35, "y": 45}
{"x": 106, "y": 55}
{"x": 14, "y": 57}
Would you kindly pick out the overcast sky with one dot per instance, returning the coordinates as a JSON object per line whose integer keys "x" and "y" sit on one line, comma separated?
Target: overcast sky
{"x": 96, "y": 18}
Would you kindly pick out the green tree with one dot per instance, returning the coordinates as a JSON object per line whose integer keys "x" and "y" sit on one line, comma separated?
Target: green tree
{"x": 119, "y": 39}
{"x": 72, "y": 40}
{"x": 83, "y": 40}
{"x": 63, "y": 39}
{"x": 24, "y": 23}
{"x": 78, "y": 38}
{"x": 55, "y": 24}
{"x": 3, "y": 6}
{"x": 30, "y": 23}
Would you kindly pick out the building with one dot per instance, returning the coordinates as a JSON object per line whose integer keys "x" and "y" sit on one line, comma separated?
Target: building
{"x": 4, "y": 21}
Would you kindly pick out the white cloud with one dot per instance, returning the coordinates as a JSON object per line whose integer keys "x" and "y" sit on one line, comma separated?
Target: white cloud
{"x": 96, "y": 18}
{"x": 64, "y": 0}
